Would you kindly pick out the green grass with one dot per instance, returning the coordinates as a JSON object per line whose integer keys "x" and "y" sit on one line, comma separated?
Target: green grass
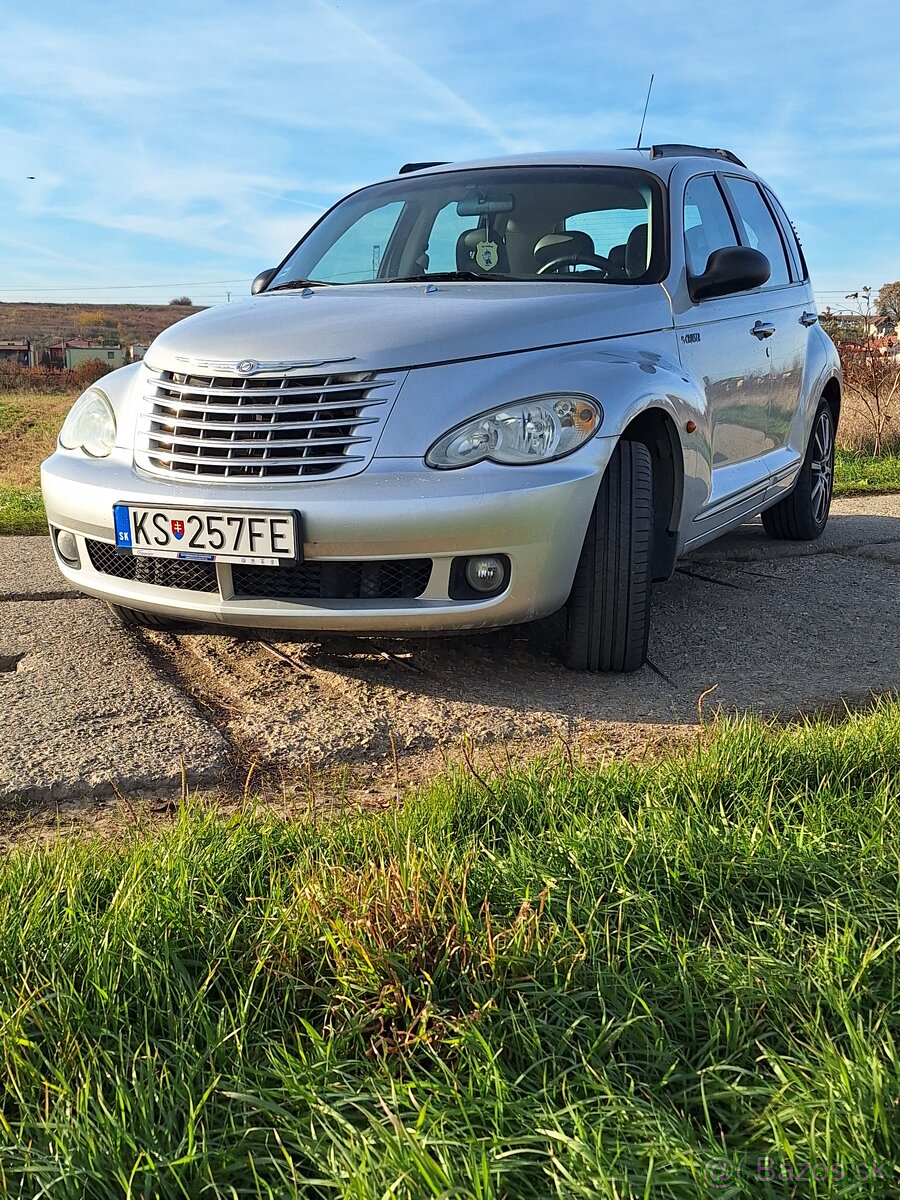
{"x": 860, "y": 474}
{"x": 21, "y": 510}
{"x": 576, "y": 984}
{"x": 28, "y": 429}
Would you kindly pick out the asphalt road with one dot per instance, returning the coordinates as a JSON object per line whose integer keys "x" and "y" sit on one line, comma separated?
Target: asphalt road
{"x": 91, "y": 709}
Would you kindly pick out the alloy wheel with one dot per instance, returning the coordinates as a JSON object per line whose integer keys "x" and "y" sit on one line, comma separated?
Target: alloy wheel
{"x": 822, "y": 466}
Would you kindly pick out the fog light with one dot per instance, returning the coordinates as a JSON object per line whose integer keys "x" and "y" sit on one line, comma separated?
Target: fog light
{"x": 67, "y": 545}
{"x": 484, "y": 574}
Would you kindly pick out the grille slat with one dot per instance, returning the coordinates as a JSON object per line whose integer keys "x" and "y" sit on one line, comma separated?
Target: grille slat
{"x": 264, "y": 427}
{"x": 193, "y": 423}
{"x": 255, "y": 410}
{"x": 216, "y": 443}
{"x": 244, "y": 455}
{"x": 246, "y": 386}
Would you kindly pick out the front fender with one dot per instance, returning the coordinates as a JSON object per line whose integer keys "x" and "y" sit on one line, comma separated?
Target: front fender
{"x": 625, "y": 376}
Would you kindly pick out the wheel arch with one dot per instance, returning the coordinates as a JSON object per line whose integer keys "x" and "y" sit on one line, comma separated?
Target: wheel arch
{"x": 656, "y": 429}
{"x": 832, "y": 394}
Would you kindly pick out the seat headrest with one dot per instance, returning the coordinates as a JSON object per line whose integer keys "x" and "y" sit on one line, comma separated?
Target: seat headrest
{"x": 636, "y": 252}
{"x": 561, "y": 245}
{"x": 698, "y": 249}
{"x": 467, "y": 248}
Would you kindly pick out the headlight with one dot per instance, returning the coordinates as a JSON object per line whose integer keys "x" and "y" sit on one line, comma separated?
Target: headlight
{"x": 90, "y": 425}
{"x": 535, "y": 430}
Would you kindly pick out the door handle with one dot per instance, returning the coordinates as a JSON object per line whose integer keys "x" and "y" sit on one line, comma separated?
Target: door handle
{"x": 808, "y": 318}
{"x": 762, "y": 330}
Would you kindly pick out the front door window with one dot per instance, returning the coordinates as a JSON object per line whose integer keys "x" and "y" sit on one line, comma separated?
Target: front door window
{"x": 707, "y": 225}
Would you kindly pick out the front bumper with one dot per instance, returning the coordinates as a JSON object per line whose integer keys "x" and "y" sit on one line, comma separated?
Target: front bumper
{"x": 395, "y": 509}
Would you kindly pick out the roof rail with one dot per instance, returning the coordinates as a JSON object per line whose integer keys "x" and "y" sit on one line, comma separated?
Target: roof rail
{"x": 407, "y": 167}
{"x": 677, "y": 149}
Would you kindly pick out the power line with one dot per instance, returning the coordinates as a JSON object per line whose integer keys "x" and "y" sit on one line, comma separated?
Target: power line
{"x": 125, "y": 287}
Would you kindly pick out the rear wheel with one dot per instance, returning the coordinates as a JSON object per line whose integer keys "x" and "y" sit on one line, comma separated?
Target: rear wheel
{"x": 801, "y": 516}
{"x": 608, "y": 611}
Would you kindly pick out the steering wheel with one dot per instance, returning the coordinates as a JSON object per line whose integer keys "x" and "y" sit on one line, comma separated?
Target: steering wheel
{"x": 583, "y": 259}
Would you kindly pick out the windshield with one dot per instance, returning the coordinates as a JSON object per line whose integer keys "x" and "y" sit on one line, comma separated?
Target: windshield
{"x": 585, "y": 224}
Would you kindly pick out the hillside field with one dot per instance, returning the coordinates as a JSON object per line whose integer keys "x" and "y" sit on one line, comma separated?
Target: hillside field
{"x": 122, "y": 324}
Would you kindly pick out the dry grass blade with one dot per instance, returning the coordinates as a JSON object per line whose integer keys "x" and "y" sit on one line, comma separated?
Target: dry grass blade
{"x": 282, "y": 656}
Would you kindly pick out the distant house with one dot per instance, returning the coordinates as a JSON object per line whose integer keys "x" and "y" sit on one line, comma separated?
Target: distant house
{"x": 73, "y": 351}
{"x": 113, "y": 356}
{"x": 20, "y": 352}
{"x": 843, "y": 324}
{"x": 882, "y": 327}
{"x": 136, "y": 352}
{"x": 56, "y": 351}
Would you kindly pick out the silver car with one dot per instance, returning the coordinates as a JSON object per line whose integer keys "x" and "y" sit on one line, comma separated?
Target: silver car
{"x": 471, "y": 395}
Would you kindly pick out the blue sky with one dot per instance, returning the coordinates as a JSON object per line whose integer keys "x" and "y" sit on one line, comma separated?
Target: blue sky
{"x": 182, "y": 147}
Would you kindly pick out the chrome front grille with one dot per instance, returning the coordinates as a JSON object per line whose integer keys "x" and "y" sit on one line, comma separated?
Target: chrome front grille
{"x": 267, "y": 427}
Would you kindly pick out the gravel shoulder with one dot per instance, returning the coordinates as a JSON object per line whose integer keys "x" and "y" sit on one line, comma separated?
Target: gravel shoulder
{"x": 772, "y": 628}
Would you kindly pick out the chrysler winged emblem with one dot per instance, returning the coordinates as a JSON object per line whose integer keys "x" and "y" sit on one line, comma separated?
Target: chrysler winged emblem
{"x": 252, "y": 366}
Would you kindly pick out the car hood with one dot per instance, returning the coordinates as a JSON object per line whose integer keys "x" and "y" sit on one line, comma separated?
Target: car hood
{"x": 390, "y": 326}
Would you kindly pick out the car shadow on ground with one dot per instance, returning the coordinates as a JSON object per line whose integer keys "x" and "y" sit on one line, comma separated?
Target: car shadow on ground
{"x": 774, "y": 628}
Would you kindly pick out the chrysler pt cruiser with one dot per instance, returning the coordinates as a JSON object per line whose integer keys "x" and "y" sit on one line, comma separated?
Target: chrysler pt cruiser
{"x": 471, "y": 395}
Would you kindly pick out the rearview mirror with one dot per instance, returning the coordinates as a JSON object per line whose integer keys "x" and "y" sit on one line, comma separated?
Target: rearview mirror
{"x": 731, "y": 269}
{"x": 262, "y": 281}
{"x": 478, "y": 206}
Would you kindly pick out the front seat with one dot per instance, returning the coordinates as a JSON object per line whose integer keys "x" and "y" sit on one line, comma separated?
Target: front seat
{"x": 467, "y": 249}
{"x": 571, "y": 244}
{"x": 636, "y": 252}
{"x": 697, "y": 249}
{"x": 616, "y": 258}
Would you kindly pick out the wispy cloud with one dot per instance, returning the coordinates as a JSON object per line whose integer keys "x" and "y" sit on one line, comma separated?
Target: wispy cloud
{"x": 202, "y": 139}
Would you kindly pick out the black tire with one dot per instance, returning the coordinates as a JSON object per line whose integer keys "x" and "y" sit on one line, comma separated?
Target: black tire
{"x": 132, "y": 618}
{"x": 802, "y": 516}
{"x": 608, "y": 611}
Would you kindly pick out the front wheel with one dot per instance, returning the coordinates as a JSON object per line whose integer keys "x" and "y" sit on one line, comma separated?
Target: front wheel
{"x": 608, "y": 611}
{"x": 133, "y": 618}
{"x": 803, "y": 515}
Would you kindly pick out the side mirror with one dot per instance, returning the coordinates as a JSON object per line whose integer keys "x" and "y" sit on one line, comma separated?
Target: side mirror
{"x": 262, "y": 281}
{"x": 731, "y": 269}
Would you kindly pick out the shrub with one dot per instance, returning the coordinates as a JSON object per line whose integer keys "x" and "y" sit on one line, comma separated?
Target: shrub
{"x": 870, "y": 415}
{"x": 47, "y": 381}
{"x": 870, "y": 421}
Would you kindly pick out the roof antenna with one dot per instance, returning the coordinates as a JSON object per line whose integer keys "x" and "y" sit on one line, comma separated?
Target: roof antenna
{"x": 644, "y": 117}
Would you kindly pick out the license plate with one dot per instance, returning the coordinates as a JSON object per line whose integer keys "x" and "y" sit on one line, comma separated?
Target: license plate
{"x": 208, "y": 535}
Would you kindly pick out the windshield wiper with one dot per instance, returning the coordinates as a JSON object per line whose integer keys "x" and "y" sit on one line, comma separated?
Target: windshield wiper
{"x": 445, "y": 276}
{"x": 298, "y": 283}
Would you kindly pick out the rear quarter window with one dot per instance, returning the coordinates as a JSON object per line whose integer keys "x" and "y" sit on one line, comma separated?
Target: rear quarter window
{"x": 799, "y": 268}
